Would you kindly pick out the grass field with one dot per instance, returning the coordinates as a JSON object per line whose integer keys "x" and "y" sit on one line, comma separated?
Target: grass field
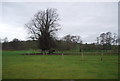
{"x": 18, "y": 66}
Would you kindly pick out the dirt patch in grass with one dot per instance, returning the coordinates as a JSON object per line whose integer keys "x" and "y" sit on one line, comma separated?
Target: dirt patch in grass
{"x": 48, "y": 54}
{"x": 42, "y": 54}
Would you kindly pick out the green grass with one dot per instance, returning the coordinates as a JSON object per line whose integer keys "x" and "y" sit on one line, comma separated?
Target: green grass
{"x": 17, "y": 66}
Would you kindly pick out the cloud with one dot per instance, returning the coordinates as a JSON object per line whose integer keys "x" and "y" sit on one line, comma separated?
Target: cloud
{"x": 87, "y": 19}
{"x": 11, "y": 33}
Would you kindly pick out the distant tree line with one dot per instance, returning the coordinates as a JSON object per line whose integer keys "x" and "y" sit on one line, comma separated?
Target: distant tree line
{"x": 17, "y": 44}
{"x": 106, "y": 42}
{"x": 67, "y": 42}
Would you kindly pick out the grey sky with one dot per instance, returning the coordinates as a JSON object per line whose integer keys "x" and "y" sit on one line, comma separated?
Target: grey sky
{"x": 87, "y": 19}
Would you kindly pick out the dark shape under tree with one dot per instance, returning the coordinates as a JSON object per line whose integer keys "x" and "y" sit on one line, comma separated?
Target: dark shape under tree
{"x": 43, "y": 27}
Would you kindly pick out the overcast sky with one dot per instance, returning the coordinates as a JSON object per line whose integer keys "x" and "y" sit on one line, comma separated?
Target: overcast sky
{"x": 86, "y": 19}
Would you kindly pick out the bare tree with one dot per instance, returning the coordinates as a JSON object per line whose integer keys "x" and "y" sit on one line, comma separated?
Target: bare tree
{"x": 76, "y": 39}
{"x": 72, "y": 38}
{"x": 67, "y": 38}
{"x": 5, "y": 40}
{"x": 71, "y": 41}
{"x": 109, "y": 38}
{"x": 115, "y": 39}
{"x": 43, "y": 27}
{"x": 98, "y": 40}
{"x": 103, "y": 39}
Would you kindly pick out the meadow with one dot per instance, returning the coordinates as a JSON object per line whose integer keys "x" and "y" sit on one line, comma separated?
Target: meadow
{"x": 18, "y": 66}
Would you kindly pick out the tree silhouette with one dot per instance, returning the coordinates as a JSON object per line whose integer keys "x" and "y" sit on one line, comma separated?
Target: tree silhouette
{"x": 43, "y": 27}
